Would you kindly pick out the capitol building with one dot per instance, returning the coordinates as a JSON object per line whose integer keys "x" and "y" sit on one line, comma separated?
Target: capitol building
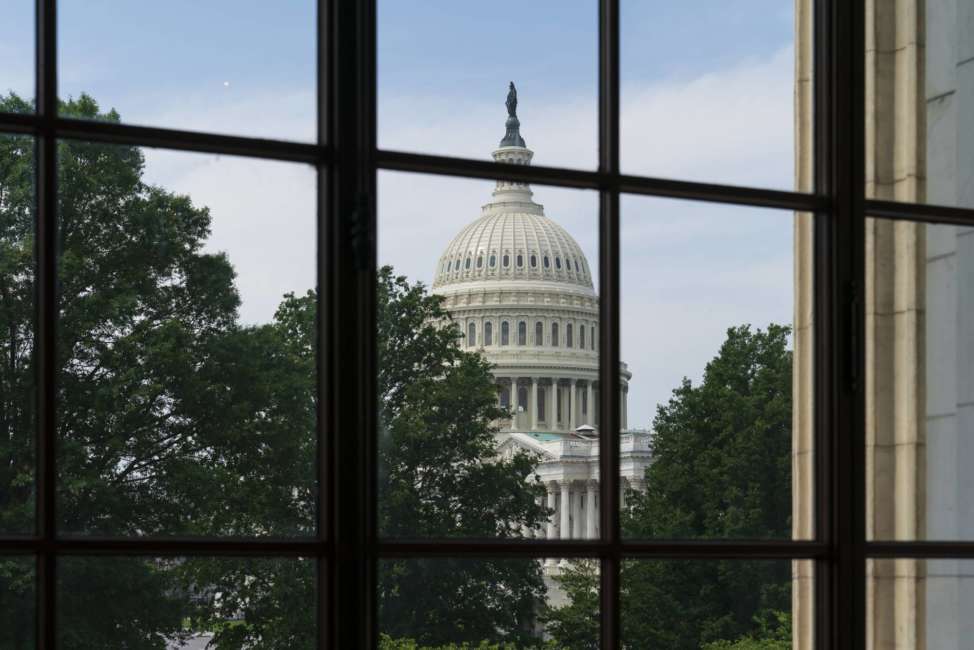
{"x": 520, "y": 288}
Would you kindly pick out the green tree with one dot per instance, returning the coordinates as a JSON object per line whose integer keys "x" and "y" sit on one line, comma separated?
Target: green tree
{"x": 440, "y": 477}
{"x": 721, "y": 469}
{"x": 175, "y": 419}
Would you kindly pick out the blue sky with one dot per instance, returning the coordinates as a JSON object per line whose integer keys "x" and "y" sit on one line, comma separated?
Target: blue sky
{"x": 707, "y": 95}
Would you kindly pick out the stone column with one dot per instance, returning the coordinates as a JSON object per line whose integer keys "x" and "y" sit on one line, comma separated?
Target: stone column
{"x": 514, "y": 402}
{"x": 622, "y": 409}
{"x": 578, "y": 529}
{"x": 591, "y": 514}
{"x": 589, "y": 405}
{"x": 571, "y": 406}
{"x": 566, "y": 526}
{"x": 550, "y": 531}
{"x": 534, "y": 404}
{"x": 623, "y": 486}
{"x": 625, "y": 407}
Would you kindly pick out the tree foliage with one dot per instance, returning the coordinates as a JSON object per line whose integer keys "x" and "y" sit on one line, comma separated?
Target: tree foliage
{"x": 721, "y": 469}
{"x": 440, "y": 477}
{"x": 175, "y": 419}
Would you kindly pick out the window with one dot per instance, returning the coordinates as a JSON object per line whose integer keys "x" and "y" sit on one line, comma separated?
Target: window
{"x": 505, "y": 396}
{"x": 558, "y": 263}
{"x": 505, "y": 333}
{"x": 569, "y": 341}
{"x": 522, "y": 333}
{"x": 480, "y": 261}
{"x": 493, "y": 261}
{"x": 900, "y": 576}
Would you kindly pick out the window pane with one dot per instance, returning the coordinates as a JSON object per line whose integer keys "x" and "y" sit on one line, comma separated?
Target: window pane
{"x": 123, "y": 602}
{"x": 521, "y": 602}
{"x": 919, "y": 382}
{"x": 709, "y": 90}
{"x": 17, "y": 55}
{"x": 710, "y": 435}
{"x": 17, "y": 376}
{"x": 17, "y": 602}
{"x": 516, "y": 459}
{"x": 222, "y": 66}
{"x": 927, "y": 602}
{"x": 444, "y": 71}
{"x": 717, "y": 605}
{"x": 920, "y": 60}
{"x": 186, "y": 336}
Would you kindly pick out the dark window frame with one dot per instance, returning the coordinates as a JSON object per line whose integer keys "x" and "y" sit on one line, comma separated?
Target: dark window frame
{"x": 347, "y": 547}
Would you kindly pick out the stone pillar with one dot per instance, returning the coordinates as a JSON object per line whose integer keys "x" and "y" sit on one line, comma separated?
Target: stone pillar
{"x": 550, "y": 532}
{"x": 589, "y": 405}
{"x": 550, "y": 415}
{"x": 514, "y": 402}
{"x": 566, "y": 526}
{"x": 578, "y": 527}
{"x": 591, "y": 513}
{"x": 623, "y": 486}
{"x": 571, "y": 406}
{"x": 534, "y": 404}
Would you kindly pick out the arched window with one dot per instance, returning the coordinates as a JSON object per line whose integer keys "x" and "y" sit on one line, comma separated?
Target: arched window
{"x": 467, "y": 265}
{"x": 576, "y": 267}
{"x": 520, "y": 260}
{"x": 471, "y": 335}
{"x": 558, "y": 263}
{"x": 541, "y": 402}
{"x": 581, "y": 336}
{"x": 522, "y": 398}
{"x": 480, "y": 261}
{"x": 505, "y": 333}
{"x": 493, "y": 261}
{"x": 554, "y": 335}
{"x": 506, "y": 260}
{"x": 488, "y": 333}
{"x": 534, "y": 261}
{"x": 522, "y": 333}
{"x": 547, "y": 263}
{"x": 539, "y": 334}
{"x": 569, "y": 340}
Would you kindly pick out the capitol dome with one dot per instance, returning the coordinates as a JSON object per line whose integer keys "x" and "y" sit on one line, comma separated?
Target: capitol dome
{"x": 520, "y": 288}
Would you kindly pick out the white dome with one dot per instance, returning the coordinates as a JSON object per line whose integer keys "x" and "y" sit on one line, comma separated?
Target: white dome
{"x": 513, "y": 241}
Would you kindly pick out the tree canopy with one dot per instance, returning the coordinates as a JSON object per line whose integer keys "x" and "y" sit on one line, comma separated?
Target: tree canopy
{"x": 721, "y": 469}
{"x": 176, "y": 419}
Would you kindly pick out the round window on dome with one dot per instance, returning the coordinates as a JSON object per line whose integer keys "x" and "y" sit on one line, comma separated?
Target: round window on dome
{"x": 480, "y": 262}
{"x": 534, "y": 261}
{"x": 547, "y": 264}
{"x": 467, "y": 265}
{"x": 558, "y": 263}
{"x": 520, "y": 260}
{"x": 506, "y": 260}
{"x": 493, "y": 261}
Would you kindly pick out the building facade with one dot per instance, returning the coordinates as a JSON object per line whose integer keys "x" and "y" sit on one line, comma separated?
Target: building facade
{"x": 520, "y": 288}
